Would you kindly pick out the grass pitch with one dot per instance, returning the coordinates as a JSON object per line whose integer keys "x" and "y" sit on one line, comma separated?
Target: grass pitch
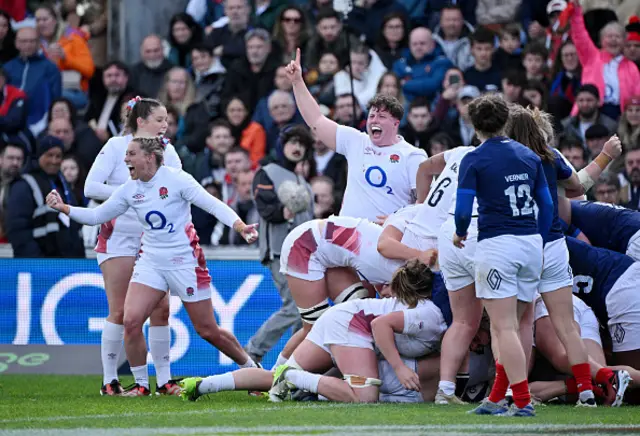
{"x": 72, "y": 406}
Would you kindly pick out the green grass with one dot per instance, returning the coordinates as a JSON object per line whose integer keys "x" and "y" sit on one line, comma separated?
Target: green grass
{"x": 51, "y": 403}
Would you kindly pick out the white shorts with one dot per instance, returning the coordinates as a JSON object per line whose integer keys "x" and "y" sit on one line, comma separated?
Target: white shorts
{"x": 392, "y": 390}
{"x": 556, "y": 272}
{"x": 190, "y": 284}
{"x": 623, "y": 308}
{"x": 117, "y": 245}
{"x": 633, "y": 249}
{"x": 306, "y": 255}
{"x": 338, "y": 327}
{"x": 457, "y": 264}
{"x": 582, "y": 314}
{"x": 508, "y": 266}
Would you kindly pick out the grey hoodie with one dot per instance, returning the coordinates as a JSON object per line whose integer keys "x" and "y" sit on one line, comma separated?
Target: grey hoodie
{"x": 458, "y": 52}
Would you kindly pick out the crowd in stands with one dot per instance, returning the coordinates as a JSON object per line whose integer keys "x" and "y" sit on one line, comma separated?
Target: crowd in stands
{"x": 219, "y": 69}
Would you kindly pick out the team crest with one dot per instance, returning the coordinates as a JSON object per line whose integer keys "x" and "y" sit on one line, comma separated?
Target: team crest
{"x": 164, "y": 193}
{"x": 394, "y": 158}
{"x": 190, "y": 291}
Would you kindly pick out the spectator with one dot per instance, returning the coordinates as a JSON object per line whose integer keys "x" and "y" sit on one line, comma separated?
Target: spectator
{"x": 209, "y": 82}
{"x": 452, "y": 33}
{"x": 512, "y": 83}
{"x": 390, "y": 84}
{"x": 393, "y": 38}
{"x": 484, "y": 75}
{"x": 508, "y": 56}
{"x": 320, "y": 80}
{"x": 12, "y": 160}
{"x": 173, "y": 119}
{"x": 67, "y": 47}
{"x": 35, "y": 230}
{"x": 290, "y": 32}
{"x": 184, "y": 34}
{"x": 243, "y": 204}
{"x": 85, "y": 152}
{"x": 632, "y": 44}
{"x": 103, "y": 114}
{"x": 535, "y": 93}
{"x": 420, "y": 126}
{"x": 148, "y": 75}
{"x": 494, "y": 12}
{"x": 615, "y": 77}
{"x": 367, "y": 16}
{"x": 253, "y": 75}
{"x": 439, "y": 143}
{"x": 281, "y": 83}
{"x": 344, "y": 111}
{"x": 74, "y": 174}
{"x": 236, "y": 161}
{"x": 314, "y": 8}
{"x": 94, "y": 23}
{"x": 247, "y": 133}
{"x": 589, "y": 114}
{"x": 323, "y": 201}
{"x": 422, "y": 67}
{"x": 8, "y": 48}
{"x": 555, "y": 34}
{"x": 572, "y": 148}
{"x": 629, "y": 126}
{"x": 566, "y": 73}
{"x": 332, "y": 165}
{"x": 607, "y": 189}
{"x": 276, "y": 221}
{"x": 178, "y": 90}
{"x": 443, "y": 105}
{"x": 265, "y": 13}
{"x": 460, "y": 129}
{"x": 534, "y": 59}
{"x": 595, "y": 137}
{"x": 13, "y": 107}
{"x": 228, "y": 41}
{"x": 366, "y": 69}
{"x": 306, "y": 168}
{"x": 205, "y": 12}
{"x": 210, "y": 162}
{"x": 37, "y": 76}
{"x": 282, "y": 108}
{"x": 631, "y": 179}
{"x": 328, "y": 37}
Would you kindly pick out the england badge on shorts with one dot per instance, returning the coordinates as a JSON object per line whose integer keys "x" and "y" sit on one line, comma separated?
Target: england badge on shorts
{"x": 190, "y": 291}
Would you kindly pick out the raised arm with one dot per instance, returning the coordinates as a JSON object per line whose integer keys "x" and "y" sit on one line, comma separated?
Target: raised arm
{"x": 115, "y": 206}
{"x": 323, "y": 127}
{"x": 426, "y": 171}
{"x": 588, "y": 175}
{"x": 100, "y": 171}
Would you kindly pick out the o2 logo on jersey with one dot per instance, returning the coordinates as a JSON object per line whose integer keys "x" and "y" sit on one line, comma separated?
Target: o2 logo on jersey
{"x": 157, "y": 221}
{"x": 376, "y": 177}
{"x": 582, "y": 285}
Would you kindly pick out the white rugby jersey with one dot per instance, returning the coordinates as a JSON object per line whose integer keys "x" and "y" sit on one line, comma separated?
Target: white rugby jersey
{"x": 401, "y": 218}
{"x": 162, "y": 206}
{"x": 359, "y": 238}
{"x": 108, "y": 172}
{"x": 441, "y": 198}
{"x": 424, "y": 325}
{"x": 379, "y": 179}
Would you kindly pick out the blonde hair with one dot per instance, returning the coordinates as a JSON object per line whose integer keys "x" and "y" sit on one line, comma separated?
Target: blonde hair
{"x": 189, "y": 95}
{"x": 152, "y": 146}
{"x": 412, "y": 283}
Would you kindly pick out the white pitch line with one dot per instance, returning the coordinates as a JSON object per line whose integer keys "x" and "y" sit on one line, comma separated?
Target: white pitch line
{"x": 297, "y": 430}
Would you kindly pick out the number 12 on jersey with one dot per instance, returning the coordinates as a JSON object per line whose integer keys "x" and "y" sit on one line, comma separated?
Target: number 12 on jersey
{"x": 522, "y": 192}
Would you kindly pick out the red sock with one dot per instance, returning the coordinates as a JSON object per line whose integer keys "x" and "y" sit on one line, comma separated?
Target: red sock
{"x": 603, "y": 376}
{"x": 572, "y": 386}
{"x": 521, "y": 394}
{"x": 582, "y": 373}
{"x": 500, "y": 385}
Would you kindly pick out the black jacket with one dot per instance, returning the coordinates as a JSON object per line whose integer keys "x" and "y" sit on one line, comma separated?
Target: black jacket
{"x": 249, "y": 85}
{"x": 149, "y": 81}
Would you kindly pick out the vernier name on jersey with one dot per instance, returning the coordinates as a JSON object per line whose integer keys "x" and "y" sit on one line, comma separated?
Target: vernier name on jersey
{"x": 516, "y": 177}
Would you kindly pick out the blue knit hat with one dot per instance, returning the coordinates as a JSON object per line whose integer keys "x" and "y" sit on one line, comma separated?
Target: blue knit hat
{"x": 47, "y": 143}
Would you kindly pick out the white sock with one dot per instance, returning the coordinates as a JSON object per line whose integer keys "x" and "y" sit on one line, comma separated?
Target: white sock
{"x": 280, "y": 361}
{"x": 585, "y": 395}
{"x": 323, "y": 398}
{"x": 160, "y": 348}
{"x": 303, "y": 380}
{"x": 110, "y": 348}
{"x": 449, "y": 388}
{"x": 217, "y": 383}
{"x": 249, "y": 363}
{"x": 141, "y": 375}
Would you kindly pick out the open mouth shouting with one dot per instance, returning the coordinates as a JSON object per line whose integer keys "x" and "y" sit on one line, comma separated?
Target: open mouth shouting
{"x": 376, "y": 131}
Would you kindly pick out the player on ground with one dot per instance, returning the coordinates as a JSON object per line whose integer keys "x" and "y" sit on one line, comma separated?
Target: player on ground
{"x": 382, "y": 165}
{"x": 170, "y": 257}
{"x": 345, "y": 334}
{"x": 605, "y": 225}
{"x": 119, "y": 242}
{"x": 556, "y": 281}
{"x": 506, "y": 177}
{"x": 614, "y": 380}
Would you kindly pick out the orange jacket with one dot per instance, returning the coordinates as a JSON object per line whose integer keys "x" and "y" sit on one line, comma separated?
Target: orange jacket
{"x": 254, "y": 140}
{"x": 77, "y": 56}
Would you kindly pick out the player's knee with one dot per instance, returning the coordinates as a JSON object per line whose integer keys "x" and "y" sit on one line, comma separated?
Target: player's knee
{"x": 132, "y": 325}
{"x": 207, "y": 330}
{"x": 354, "y": 292}
{"x": 116, "y": 316}
{"x": 310, "y": 315}
{"x": 466, "y": 327}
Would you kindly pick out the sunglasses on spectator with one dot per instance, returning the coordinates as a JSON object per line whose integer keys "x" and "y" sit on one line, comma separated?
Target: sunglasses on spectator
{"x": 296, "y": 20}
